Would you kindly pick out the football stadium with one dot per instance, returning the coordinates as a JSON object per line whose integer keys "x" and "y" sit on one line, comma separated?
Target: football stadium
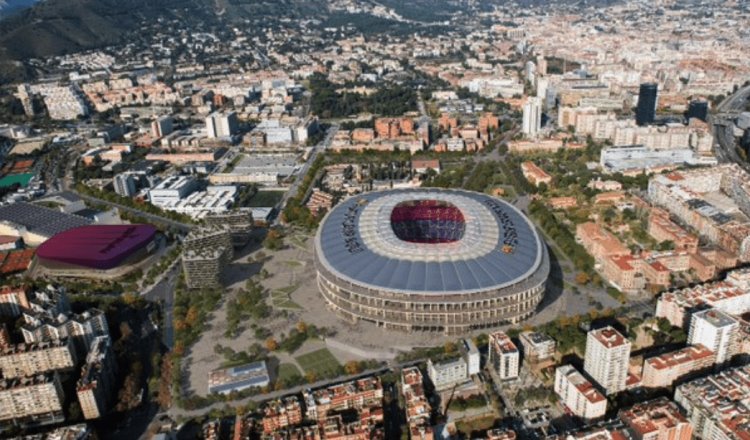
{"x": 96, "y": 251}
{"x": 448, "y": 261}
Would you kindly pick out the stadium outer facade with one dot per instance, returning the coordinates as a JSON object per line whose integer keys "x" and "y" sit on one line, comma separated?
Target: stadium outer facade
{"x": 449, "y": 261}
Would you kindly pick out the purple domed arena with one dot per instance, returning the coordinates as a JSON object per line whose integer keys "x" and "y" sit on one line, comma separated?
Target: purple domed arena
{"x": 107, "y": 251}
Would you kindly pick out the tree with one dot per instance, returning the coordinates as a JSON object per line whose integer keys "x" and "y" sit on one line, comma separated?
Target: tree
{"x": 582, "y": 278}
{"x": 449, "y": 347}
{"x": 666, "y": 245}
{"x": 352, "y": 367}
{"x": 192, "y": 316}
{"x": 664, "y": 325}
{"x": 74, "y": 411}
{"x": 302, "y": 327}
{"x": 271, "y": 344}
{"x": 609, "y": 214}
{"x": 274, "y": 240}
{"x": 481, "y": 340}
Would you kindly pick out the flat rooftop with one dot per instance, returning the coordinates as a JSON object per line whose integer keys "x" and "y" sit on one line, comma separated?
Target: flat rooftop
{"x": 716, "y": 318}
{"x": 39, "y": 219}
{"x": 682, "y": 356}
{"x": 609, "y": 337}
{"x": 225, "y": 380}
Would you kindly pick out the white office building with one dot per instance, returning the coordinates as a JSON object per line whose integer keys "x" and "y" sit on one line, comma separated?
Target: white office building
{"x": 162, "y": 127}
{"x": 447, "y": 374}
{"x": 124, "y": 184}
{"x": 542, "y": 83}
{"x": 471, "y": 354}
{"x": 607, "y": 359}
{"x": 537, "y": 346}
{"x": 530, "y": 71}
{"x": 532, "y": 117}
{"x": 172, "y": 189}
{"x": 638, "y": 157}
{"x": 717, "y": 331}
{"x": 217, "y": 199}
{"x": 221, "y": 125}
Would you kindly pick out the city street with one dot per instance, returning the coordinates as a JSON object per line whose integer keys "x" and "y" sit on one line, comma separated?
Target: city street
{"x": 163, "y": 293}
{"x": 292, "y": 191}
{"x": 725, "y": 145}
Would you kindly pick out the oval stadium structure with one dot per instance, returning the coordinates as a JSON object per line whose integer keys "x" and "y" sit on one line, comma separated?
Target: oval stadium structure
{"x": 430, "y": 260}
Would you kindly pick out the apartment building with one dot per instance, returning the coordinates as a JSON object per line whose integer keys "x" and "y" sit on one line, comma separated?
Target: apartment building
{"x": 161, "y": 127}
{"x": 95, "y": 388}
{"x": 578, "y": 394}
{"x": 536, "y": 145}
{"x": 281, "y": 414}
{"x": 716, "y": 406}
{"x": 32, "y": 397}
{"x": 82, "y": 328}
{"x": 501, "y": 434}
{"x": 124, "y": 184}
{"x": 662, "y": 228}
{"x": 391, "y": 128}
{"x": 445, "y": 375}
{"x": 607, "y": 359}
{"x": 358, "y": 394}
{"x": 664, "y": 370}
{"x": 503, "y": 356}
{"x": 221, "y": 125}
{"x": 713, "y": 201}
{"x": 417, "y": 405}
{"x": 335, "y": 428}
{"x": 319, "y": 201}
{"x": 64, "y": 103}
{"x": 13, "y": 300}
{"x": 717, "y": 331}
{"x": 537, "y": 347}
{"x": 206, "y": 253}
{"x": 729, "y": 296}
{"x": 658, "y": 419}
{"x": 239, "y": 221}
{"x": 35, "y": 358}
{"x": 532, "y": 117}
{"x": 5, "y": 338}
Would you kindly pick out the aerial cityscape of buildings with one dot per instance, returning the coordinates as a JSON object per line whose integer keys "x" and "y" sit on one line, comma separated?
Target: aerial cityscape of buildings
{"x": 365, "y": 220}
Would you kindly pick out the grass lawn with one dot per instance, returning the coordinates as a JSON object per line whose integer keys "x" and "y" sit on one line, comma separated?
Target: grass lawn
{"x": 265, "y": 199}
{"x": 320, "y": 362}
{"x": 287, "y": 304}
{"x": 280, "y": 298}
{"x": 510, "y": 192}
{"x": 288, "y": 289}
{"x": 287, "y": 371}
{"x": 299, "y": 241}
{"x": 480, "y": 424}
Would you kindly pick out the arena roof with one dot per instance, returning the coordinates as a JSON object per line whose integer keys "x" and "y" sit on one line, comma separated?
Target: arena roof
{"x": 488, "y": 244}
{"x": 39, "y": 219}
{"x": 98, "y": 246}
